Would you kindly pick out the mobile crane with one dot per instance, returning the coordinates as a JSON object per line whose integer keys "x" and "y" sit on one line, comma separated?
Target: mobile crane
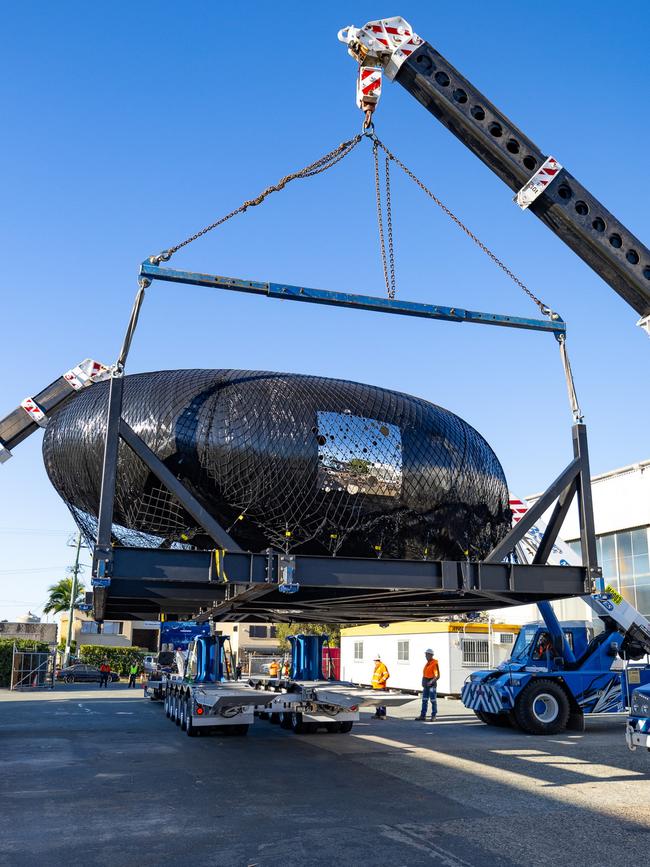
{"x": 555, "y": 674}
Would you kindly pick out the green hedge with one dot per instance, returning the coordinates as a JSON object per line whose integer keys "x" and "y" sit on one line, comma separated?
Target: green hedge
{"x": 119, "y": 658}
{"x": 6, "y": 651}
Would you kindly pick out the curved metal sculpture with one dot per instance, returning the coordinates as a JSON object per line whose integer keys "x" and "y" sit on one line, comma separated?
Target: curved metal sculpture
{"x": 295, "y": 462}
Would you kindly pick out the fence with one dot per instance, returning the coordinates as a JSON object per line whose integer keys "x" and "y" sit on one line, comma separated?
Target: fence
{"x": 32, "y": 669}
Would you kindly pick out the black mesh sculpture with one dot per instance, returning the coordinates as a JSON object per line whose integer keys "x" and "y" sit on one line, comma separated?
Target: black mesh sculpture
{"x": 298, "y": 463}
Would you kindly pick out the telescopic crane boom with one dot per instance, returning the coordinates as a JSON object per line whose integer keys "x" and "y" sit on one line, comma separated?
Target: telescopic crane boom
{"x": 541, "y": 183}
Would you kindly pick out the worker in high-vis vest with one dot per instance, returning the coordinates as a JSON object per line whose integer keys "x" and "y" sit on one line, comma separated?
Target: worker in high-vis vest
{"x": 379, "y": 680}
{"x": 274, "y": 668}
{"x": 430, "y": 677}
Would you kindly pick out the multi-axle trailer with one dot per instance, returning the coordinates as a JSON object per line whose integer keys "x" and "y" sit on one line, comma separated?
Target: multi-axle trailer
{"x": 205, "y": 697}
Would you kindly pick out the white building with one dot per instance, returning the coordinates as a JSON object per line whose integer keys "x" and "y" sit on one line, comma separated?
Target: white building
{"x": 460, "y": 648}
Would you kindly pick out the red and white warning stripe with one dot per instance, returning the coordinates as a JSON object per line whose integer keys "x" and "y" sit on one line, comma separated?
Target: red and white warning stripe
{"x": 368, "y": 86}
{"x": 539, "y": 182}
{"x": 86, "y": 374}
{"x": 518, "y": 509}
{"x": 34, "y": 411}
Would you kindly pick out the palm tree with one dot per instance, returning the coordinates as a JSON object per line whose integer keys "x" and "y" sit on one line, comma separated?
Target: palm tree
{"x": 59, "y": 596}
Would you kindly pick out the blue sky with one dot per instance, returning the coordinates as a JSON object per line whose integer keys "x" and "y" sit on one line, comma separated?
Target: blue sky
{"x": 127, "y": 126}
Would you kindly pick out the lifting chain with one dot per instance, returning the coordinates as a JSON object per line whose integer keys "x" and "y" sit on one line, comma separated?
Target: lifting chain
{"x": 377, "y": 143}
{"x": 388, "y": 264}
{"x": 320, "y": 165}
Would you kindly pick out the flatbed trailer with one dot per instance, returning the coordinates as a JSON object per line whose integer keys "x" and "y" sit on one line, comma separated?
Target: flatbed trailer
{"x": 306, "y": 706}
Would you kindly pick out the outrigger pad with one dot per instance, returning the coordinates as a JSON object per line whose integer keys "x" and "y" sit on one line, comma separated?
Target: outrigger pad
{"x": 299, "y": 463}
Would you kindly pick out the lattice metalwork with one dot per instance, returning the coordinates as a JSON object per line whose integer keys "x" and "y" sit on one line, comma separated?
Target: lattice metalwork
{"x": 299, "y": 463}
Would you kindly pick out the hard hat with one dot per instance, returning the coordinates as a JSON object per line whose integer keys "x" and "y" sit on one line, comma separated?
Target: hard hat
{"x": 378, "y": 657}
{"x": 428, "y": 650}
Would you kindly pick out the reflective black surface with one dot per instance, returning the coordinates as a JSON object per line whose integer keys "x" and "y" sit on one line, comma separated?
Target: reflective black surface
{"x": 301, "y": 463}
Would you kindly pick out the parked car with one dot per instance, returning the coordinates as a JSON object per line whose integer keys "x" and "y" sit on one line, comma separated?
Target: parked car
{"x": 81, "y": 673}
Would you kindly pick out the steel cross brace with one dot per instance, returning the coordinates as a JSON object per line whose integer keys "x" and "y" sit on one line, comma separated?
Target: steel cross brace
{"x": 346, "y": 299}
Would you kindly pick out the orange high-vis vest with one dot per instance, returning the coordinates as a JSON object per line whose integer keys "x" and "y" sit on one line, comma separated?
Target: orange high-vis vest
{"x": 379, "y": 676}
{"x": 274, "y": 669}
{"x": 431, "y": 669}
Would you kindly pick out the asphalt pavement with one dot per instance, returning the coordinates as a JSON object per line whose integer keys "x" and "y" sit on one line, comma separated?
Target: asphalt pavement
{"x": 104, "y": 778}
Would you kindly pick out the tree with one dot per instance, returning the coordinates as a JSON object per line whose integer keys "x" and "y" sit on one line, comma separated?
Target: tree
{"x": 59, "y": 596}
{"x": 333, "y": 630}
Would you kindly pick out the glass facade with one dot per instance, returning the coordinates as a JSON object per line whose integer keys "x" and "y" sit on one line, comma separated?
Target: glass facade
{"x": 623, "y": 557}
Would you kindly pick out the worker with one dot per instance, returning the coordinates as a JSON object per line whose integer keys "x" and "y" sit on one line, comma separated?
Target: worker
{"x": 133, "y": 673}
{"x": 286, "y": 668}
{"x": 238, "y": 671}
{"x": 104, "y": 673}
{"x": 274, "y": 668}
{"x": 430, "y": 677}
{"x": 379, "y": 679}
{"x": 544, "y": 645}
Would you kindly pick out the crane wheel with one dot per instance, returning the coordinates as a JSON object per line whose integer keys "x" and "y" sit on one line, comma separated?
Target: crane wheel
{"x": 542, "y": 708}
{"x": 501, "y": 720}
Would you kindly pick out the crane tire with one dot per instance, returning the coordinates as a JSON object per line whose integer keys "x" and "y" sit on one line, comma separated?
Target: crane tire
{"x": 542, "y": 708}
{"x": 501, "y": 720}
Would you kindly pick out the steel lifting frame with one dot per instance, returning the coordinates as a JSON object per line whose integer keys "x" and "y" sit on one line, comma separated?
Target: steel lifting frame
{"x": 228, "y": 583}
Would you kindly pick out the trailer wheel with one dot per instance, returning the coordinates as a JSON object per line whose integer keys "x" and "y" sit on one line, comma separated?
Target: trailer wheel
{"x": 333, "y": 727}
{"x": 190, "y": 729}
{"x": 285, "y": 720}
{"x": 502, "y": 720}
{"x": 542, "y": 708}
{"x": 177, "y": 709}
{"x": 182, "y": 712}
{"x": 345, "y": 726}
{"x": 168, "y": 708}
{"x": 274, "y": 718}
{"x": 299, "y": 727}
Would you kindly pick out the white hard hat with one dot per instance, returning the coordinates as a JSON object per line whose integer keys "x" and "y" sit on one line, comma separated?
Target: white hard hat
{"x": 378, "y": 657}
{"x": 428, "y": 650}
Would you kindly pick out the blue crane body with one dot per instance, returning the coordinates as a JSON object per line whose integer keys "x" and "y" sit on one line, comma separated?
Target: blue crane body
{"x": 557, "y": 673}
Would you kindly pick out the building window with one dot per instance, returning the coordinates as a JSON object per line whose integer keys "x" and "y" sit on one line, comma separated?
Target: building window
{"x": 476, "y": 653}
{"x": 506, "y": 638}
{"x": 113, "y": 627}
{"x": 89, "y": 627}
{"x": 273, "y": 632}
{"x": 624, "y": 559}
{"x": 402, "y": 651}
{"x": 258, "y": 631}
{"x": 358, "y": 651}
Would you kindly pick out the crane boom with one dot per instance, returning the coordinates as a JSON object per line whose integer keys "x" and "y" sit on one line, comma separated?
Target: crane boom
{"x": 564, "y": 205}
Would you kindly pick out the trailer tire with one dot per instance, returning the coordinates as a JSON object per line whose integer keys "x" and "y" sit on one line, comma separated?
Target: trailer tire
{"x": 501, "y": 720}
{"x": 177, "y": 709}
{"x": 190, "y": 729}
{"x": 542, "y": 708}
{"x": 182, "y": 712}
{"x": 333, "y": 727}
{"x": 285, "y": 720}
{"x": 345, "y": 726}
{"x": 274, "y": 718}
{"x": 299, "y": 727}
{"x": 168, "y": 707}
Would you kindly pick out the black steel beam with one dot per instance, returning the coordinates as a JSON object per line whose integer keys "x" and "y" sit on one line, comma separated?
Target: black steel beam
{"x": 175, "y": 487}
{"x": 566, "y": 478}
{"x": 566, "y": 207}
{"x": 336, "y": 589}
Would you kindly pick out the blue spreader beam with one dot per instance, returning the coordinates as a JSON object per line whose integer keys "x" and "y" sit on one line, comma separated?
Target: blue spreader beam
{"x": 346, "y": 299}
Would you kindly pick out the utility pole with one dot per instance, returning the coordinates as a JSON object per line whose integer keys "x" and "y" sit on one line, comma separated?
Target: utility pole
{"x": 73, "y": 597}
